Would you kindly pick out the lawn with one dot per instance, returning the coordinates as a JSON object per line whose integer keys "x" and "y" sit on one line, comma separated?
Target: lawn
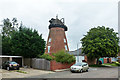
{"x": 95, "y": 65}
{"x": 106, "y": 64}
{"x": 111, "y": 64}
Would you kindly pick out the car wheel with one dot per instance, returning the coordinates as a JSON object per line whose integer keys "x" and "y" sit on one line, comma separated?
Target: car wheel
{"x": 71, "y": 71}
{"x": 18, "y": 68}
{"x": 87, "y": 70}
{"x": 81, "y": 71}
{"x": 8, "y": 68}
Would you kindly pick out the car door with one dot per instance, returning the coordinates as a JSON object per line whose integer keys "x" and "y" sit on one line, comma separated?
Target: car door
{"x": 85, "y": 67}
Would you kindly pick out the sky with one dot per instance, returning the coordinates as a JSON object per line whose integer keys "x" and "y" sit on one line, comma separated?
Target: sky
{"x": 80, "y": 15}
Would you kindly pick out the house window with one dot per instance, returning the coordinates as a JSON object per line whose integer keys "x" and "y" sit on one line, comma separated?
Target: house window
{"x": 49, "y": 39}
{"x": 66, "y": 47}
{"x": 64, "y": 41}
{"x": 48, "y": 49}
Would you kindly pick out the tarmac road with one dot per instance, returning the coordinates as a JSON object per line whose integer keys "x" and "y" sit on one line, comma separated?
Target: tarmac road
{"x": 102, "y": 72}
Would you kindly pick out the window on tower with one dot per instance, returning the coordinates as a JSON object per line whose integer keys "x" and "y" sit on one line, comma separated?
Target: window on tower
{"x": 66, "y": 47}
{"x": 48, "y": 49}
{"x": 49, "y": 39}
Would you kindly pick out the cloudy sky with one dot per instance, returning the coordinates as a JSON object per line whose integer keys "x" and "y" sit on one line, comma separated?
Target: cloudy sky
{"x": 80, "y": 15}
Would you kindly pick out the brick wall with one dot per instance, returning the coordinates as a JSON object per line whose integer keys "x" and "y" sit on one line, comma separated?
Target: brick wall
{"x": 57, "y": 65}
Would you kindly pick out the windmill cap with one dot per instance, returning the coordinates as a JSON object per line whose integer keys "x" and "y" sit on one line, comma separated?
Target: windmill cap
{"x": 57, "y": 23}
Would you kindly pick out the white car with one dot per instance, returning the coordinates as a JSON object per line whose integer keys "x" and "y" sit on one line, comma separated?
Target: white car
{"x": 79, "y": 67}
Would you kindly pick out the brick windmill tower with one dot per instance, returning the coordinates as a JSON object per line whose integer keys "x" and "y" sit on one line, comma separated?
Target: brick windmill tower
{"x": 57, "y": 39}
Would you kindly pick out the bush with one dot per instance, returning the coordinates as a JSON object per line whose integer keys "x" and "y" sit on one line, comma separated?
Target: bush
{"x": 47, "y": 57}
{"x": 64, "y": 57}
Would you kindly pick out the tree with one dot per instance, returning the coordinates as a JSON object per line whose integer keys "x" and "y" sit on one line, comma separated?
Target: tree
{"x": 27, "y": 43}
{"x": 100, "y": 42}
{"x": 8, "y": 28}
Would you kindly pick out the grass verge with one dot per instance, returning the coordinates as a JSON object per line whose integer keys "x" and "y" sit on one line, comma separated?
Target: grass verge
{"x": 95, "y": 65}
{"x": 21, "y": 71}
{"x": 111, "y": 64}
{"x": 115, "y": 64}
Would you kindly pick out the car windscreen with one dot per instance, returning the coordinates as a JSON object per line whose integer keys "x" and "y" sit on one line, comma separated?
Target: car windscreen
{"x": 13, "y": 63}
{"x": 77, "y": 64}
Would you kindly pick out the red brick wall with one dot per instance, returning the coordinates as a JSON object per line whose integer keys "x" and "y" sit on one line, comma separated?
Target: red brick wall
{"x": 57, "y": 65}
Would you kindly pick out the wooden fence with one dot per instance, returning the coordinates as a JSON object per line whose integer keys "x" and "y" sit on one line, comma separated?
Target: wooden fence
{"x": 40, "y": 64}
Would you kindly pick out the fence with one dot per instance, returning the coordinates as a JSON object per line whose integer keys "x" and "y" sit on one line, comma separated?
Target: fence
{"x": 43, "y": 64}
{"x": 37, "y": 63}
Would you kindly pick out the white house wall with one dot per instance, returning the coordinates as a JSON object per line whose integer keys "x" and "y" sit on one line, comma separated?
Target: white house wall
{"x": 80, "y": 58}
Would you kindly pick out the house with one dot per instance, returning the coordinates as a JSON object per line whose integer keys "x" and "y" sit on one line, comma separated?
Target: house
{"x": 81, "y": 57}
{"x": 78, "y": 55}
{"x": 108, "y": 59}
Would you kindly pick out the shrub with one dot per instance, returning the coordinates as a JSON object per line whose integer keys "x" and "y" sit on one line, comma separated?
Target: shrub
{"x": 64, "y": 57}
{"x": 47, "y": 57}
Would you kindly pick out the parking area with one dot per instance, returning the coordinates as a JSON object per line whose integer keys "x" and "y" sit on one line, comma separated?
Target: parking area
{"x": 22, "y": 73}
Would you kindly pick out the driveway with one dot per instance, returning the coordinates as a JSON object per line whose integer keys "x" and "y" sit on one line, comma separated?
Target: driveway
{"x": 24, "y": 72}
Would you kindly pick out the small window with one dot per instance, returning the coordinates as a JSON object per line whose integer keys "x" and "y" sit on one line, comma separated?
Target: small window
{"x": 64, "y": 41}
{"x": 66, "y": 47}
{"x": 49, "y": 39}
{"x": 48, "y": 49}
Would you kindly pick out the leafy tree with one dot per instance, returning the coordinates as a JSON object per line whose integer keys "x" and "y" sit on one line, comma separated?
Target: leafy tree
{"x": 27, "y": 43}
{"x": 8, "y": 28}
{"x": 100, "y": 42}
{"x": 64, "y": 57}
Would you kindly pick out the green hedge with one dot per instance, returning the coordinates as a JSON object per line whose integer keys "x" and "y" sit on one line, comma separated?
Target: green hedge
{"x": 63, "y": 57}
{"x": 46, "y": 56}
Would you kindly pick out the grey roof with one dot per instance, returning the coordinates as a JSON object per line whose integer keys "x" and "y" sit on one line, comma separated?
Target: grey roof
{"x": 77, "y": 52}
